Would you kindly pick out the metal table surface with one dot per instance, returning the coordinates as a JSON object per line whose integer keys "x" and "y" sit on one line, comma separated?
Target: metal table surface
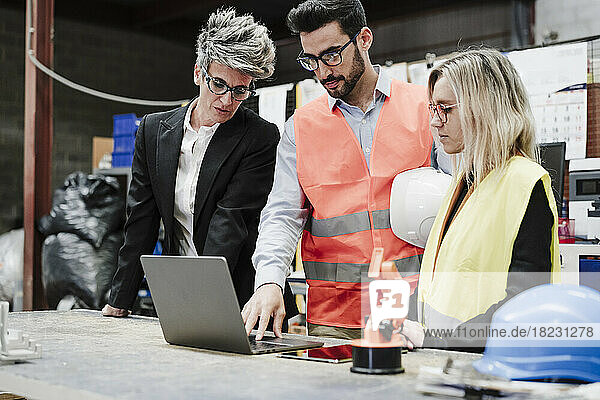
{"x": 88, "y": 356}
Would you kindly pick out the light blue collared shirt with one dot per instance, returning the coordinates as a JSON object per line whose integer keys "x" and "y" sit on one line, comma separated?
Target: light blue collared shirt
{"x": 283, "y": 218}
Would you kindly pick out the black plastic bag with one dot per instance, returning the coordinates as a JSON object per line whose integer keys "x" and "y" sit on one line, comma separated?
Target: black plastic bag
{"x": 71, "y": 266}
{"x": 89, "y": 206}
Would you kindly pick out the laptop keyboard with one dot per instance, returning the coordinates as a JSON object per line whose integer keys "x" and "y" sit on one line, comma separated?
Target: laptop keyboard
{"x": 264, "y": 345}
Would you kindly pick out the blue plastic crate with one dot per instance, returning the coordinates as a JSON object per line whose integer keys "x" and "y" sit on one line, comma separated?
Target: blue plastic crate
{"x": 125, "y": 124}
{"x": 124, "y": 144}
{"x": 122, "y": 159}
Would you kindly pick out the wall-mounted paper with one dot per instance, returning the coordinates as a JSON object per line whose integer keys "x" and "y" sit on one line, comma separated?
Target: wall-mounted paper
{"x": 555, "y": 78}
{"x": 398, "y": 71}
{"x": 272, "y": 102}
{"x": 310, "y": 89}
{"x": 419, "y": 73}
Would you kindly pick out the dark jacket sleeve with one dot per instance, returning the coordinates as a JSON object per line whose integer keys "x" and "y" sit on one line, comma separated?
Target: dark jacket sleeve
{"x": 141, "y": 228}
{"x": 234, "y": 222}
{"x": 530, "y": 265}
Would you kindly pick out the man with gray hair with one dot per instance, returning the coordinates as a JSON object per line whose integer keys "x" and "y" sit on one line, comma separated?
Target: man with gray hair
{"x": 205, "y": 169}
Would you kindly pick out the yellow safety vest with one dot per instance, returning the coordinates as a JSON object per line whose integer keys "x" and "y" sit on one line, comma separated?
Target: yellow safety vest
{"x": 469, "y": 272}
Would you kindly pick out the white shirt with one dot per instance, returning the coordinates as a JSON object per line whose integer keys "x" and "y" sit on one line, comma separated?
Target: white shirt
{"x": 193, "y": 148}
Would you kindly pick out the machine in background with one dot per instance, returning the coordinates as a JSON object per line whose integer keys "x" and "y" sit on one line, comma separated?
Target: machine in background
{"x": 584, "y": 188}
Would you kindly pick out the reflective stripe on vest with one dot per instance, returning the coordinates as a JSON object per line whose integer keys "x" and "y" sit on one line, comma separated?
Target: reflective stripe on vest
{"x": 350, "y": 201}
{"x": 354, "y": 273}
{"x": 346, "y": 224}
{"x": 341, "y": 289}
{"x": 471, "y": 270}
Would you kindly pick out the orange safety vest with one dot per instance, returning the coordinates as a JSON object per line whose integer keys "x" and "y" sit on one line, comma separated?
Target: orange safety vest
{"x": 350, "y": 204}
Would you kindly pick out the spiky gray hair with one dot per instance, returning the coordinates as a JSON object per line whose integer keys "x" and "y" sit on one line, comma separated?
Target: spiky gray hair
{"x": 238, "y": 42}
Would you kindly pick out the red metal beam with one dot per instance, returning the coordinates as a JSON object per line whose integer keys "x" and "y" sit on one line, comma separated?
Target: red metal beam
{"x": 37, "y": 147}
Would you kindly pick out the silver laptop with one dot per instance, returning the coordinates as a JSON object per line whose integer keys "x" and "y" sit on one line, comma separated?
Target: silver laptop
{"x": 197, "y": 306}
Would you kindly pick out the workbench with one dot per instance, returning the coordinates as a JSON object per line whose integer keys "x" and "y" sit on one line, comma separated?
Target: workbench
{"x": 88, "y": 356}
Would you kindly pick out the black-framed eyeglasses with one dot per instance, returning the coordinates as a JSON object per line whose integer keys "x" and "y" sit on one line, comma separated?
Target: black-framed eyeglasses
{"x": 441, "y": 111}
{"x": 218, "y": 87}
{"x": 331, "y": 58}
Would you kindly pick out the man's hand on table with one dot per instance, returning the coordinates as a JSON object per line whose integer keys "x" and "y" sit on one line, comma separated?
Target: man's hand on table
{"x": 110, "y": 311}
{"x": 265, "y": 303}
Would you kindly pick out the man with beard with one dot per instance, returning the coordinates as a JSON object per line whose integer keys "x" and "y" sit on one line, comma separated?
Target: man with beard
{"x": 336, "y": 162}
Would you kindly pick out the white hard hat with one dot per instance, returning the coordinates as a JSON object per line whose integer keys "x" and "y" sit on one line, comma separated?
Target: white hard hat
{"x": 415, "y": 199}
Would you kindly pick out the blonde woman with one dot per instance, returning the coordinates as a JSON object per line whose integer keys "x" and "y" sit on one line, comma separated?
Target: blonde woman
{"x": 496, "y": 232}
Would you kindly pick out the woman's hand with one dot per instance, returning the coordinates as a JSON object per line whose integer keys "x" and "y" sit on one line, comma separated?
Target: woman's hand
{"x": 414, "y": 333}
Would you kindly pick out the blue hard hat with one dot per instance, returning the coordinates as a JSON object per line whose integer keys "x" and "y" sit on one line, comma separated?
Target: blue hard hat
{"x": 566, "y": 355}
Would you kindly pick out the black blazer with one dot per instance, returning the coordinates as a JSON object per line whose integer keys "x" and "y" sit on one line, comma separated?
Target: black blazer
{"x": 234, "y": 181}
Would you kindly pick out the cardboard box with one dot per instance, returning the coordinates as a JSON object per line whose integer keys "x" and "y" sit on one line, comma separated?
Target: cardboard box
{"x": 100, "y": 146}
{"x": 297, "y": 329}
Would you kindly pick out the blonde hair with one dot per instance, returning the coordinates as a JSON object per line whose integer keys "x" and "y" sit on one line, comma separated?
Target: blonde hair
{"x": 494, "y": 111}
